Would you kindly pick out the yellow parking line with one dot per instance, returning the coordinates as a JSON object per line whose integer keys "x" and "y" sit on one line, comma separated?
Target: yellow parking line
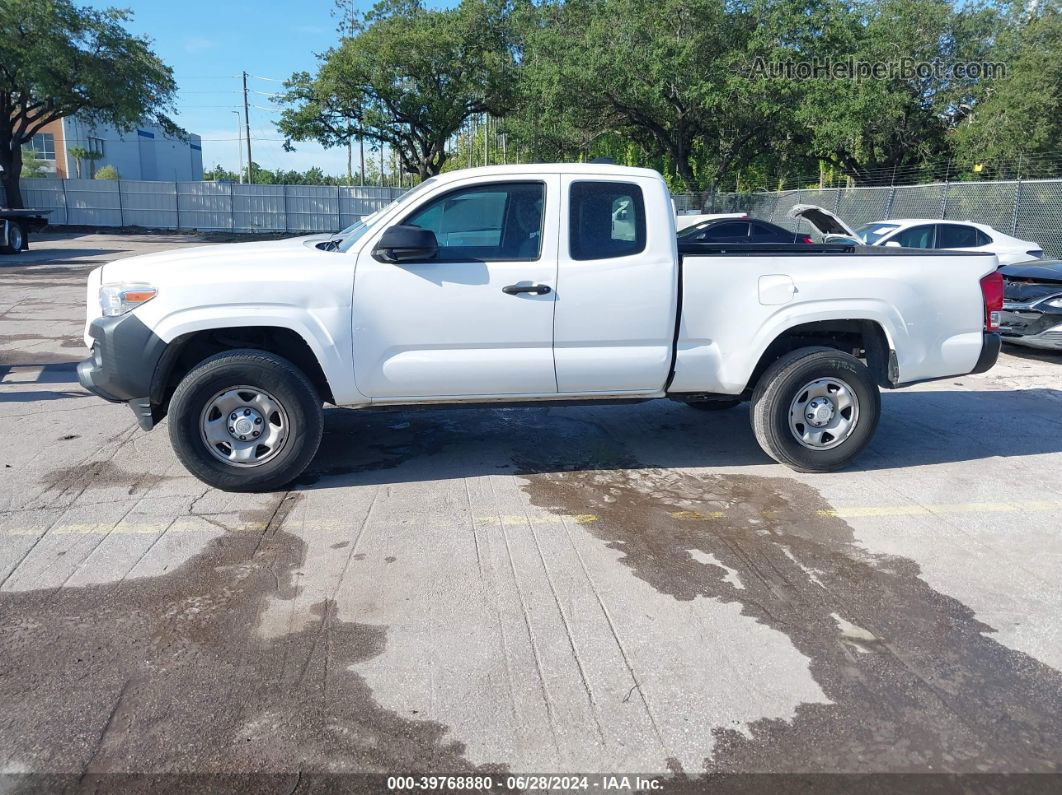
{"x": 941, "y": 508}
{"x": 194, "y": 523}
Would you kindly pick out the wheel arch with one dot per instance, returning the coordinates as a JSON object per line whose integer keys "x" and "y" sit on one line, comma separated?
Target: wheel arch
{"x": 864, "y": 338}
{"x": 187, "y": 350}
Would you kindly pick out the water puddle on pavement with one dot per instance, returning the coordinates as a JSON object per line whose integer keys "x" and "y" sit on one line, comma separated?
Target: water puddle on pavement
{"x": 914, "y": 682}
{"x": 170, "y": 673}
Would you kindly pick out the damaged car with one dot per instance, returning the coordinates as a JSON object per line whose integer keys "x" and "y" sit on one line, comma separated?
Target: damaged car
{"x": 1032, "y": 305}
{"x": 924, "y": 233}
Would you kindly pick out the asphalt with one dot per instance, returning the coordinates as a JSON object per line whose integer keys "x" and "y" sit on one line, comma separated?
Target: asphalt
{"x": 612, "y": 589}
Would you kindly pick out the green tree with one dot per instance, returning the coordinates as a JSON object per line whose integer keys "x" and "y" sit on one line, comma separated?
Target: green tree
{"x": 58, "y": 59}
{"x": 666, "y": 74}
{"x": 1019, "y": 117}
{"x": 406, "y": 79}
{"x": 878, "y": 129}
{"x": 80, "y": 153}
{"x": 220, "y": 174}
{"x": 32, "y": 166}
{"x": 108, "y": 172}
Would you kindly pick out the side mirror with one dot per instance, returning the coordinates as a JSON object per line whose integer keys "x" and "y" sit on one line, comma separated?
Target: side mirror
{"x": 893, "y": 244}
{"x": 406, "y": 244}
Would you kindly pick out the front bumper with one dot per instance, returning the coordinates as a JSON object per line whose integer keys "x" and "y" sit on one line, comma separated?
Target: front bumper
{"x": 1031, "y": 326}
{"x": 121, "y": 369}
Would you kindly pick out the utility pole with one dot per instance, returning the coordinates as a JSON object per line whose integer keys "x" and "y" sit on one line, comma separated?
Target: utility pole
{"x": 247, "y": 123}
{"x": 486, "y": 136}
{"x": 361, "y": 146}
{"x": 381, "y": 167}
{"x": 239, "y": 144}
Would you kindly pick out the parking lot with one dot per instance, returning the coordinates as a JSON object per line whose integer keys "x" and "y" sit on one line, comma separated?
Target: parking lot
{"x": 629, "y": 588}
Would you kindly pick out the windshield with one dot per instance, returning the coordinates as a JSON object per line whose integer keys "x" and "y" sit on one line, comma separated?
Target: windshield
{"x": 872, "y": 233}
{"x": 352, "y": 234}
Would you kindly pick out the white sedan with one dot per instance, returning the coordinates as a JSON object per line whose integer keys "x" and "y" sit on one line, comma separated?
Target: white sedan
{"x": 922, "y": 233}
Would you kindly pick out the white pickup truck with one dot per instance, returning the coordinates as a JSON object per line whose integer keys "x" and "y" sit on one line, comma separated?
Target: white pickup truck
{"x": 512, "y": 284}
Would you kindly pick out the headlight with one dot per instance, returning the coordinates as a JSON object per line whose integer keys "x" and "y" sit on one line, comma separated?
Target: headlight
{"x": 1054, "y": 303}
{"x": 117, "y": 299}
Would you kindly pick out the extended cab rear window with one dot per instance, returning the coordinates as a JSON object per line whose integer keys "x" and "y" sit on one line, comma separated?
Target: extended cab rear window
{"x": 606, "y": 220}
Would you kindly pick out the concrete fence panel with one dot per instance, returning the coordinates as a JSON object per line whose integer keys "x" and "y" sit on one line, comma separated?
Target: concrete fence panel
{"x": 149, "y": 204}
{"x": 93, "y": 202}
{"x": 205, "y": 205}
{"x": 312, "y": 208}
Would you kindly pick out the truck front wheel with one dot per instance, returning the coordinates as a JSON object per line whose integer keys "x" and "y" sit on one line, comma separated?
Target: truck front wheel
{"x": 245, "y": 420}
{"x": 815, "y": 409}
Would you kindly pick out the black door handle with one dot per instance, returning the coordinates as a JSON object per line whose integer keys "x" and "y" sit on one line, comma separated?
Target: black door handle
{"x": 535, "y": 289}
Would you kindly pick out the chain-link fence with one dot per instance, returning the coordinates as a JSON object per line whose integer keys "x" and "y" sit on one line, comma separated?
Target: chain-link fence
{"x": 1027, "y": 209}
{"x": 204, "y": 205}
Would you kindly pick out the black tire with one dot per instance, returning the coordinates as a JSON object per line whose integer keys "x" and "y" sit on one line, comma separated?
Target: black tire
{"x": 778, "y": 388}
{"x": 245, "y": 367}
{"x": 714, "y": 405}
{"x": 15, "y": 239}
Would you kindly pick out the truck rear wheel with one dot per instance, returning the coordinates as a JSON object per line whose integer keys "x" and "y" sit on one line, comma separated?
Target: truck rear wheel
{"x": 245, "y": 420}
{"x": 815, "y": 409}
{"x": 15, "y": 239}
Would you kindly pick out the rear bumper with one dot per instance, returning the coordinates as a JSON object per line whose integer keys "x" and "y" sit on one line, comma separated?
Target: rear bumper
{"x": 125, "y": 355}
{"x": 989, "y": 352}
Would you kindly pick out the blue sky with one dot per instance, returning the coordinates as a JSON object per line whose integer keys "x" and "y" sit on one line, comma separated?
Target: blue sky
{"x": 208, "y": 45}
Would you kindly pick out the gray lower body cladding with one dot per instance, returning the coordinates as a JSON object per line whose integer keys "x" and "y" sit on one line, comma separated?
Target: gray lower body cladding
{"x": 121, "y": 369}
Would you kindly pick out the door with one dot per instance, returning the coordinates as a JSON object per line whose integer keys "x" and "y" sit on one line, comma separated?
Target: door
{"x": 616, "y": 287}
{"x": 477, "y": 319}
{"x": 960, "y": 236}
{"x": 916, "y": 237}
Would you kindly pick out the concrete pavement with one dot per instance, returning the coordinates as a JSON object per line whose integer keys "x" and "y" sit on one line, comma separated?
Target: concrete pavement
{"x": 588, "y": 589}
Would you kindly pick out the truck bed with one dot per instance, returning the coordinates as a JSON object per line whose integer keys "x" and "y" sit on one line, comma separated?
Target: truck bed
{"x": 928, "y": 304}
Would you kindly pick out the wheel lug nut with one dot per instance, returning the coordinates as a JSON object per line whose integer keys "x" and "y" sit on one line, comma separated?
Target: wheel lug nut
{"x": 246, "y": 412}
{"x": 232, "y": 416}
{"x": 255, "y": 434}
{"x": 243, "y": 438}
{"x": 231, "y": 429}
{"x": 257, "y": 420}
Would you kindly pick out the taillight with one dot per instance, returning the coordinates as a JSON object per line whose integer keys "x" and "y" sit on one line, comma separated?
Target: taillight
{"x": 806, "y": 239}
{"x": 992, "y": 291}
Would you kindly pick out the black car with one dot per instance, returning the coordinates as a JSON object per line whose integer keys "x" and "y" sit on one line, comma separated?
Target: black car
{"x": 740, "y": 230}
{"x": 1032, "y": 304}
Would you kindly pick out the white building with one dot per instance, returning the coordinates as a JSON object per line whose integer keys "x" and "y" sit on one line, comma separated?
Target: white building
{"x": 144, "y": 152}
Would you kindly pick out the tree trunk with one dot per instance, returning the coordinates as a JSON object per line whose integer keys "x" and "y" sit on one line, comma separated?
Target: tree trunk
{"x": 11, "y": 162}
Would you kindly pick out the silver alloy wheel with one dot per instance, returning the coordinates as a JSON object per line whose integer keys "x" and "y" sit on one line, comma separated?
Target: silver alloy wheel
{"x": 244, "y": 426}
{"x": 824, "y": 413}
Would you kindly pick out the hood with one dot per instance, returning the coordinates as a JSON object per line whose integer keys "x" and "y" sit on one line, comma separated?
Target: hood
{"x": 151, "y": 268}
{"x": 1028, "y": 283}
{"x": 826, "y": 222}
{"x": 1049, "y": 271}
